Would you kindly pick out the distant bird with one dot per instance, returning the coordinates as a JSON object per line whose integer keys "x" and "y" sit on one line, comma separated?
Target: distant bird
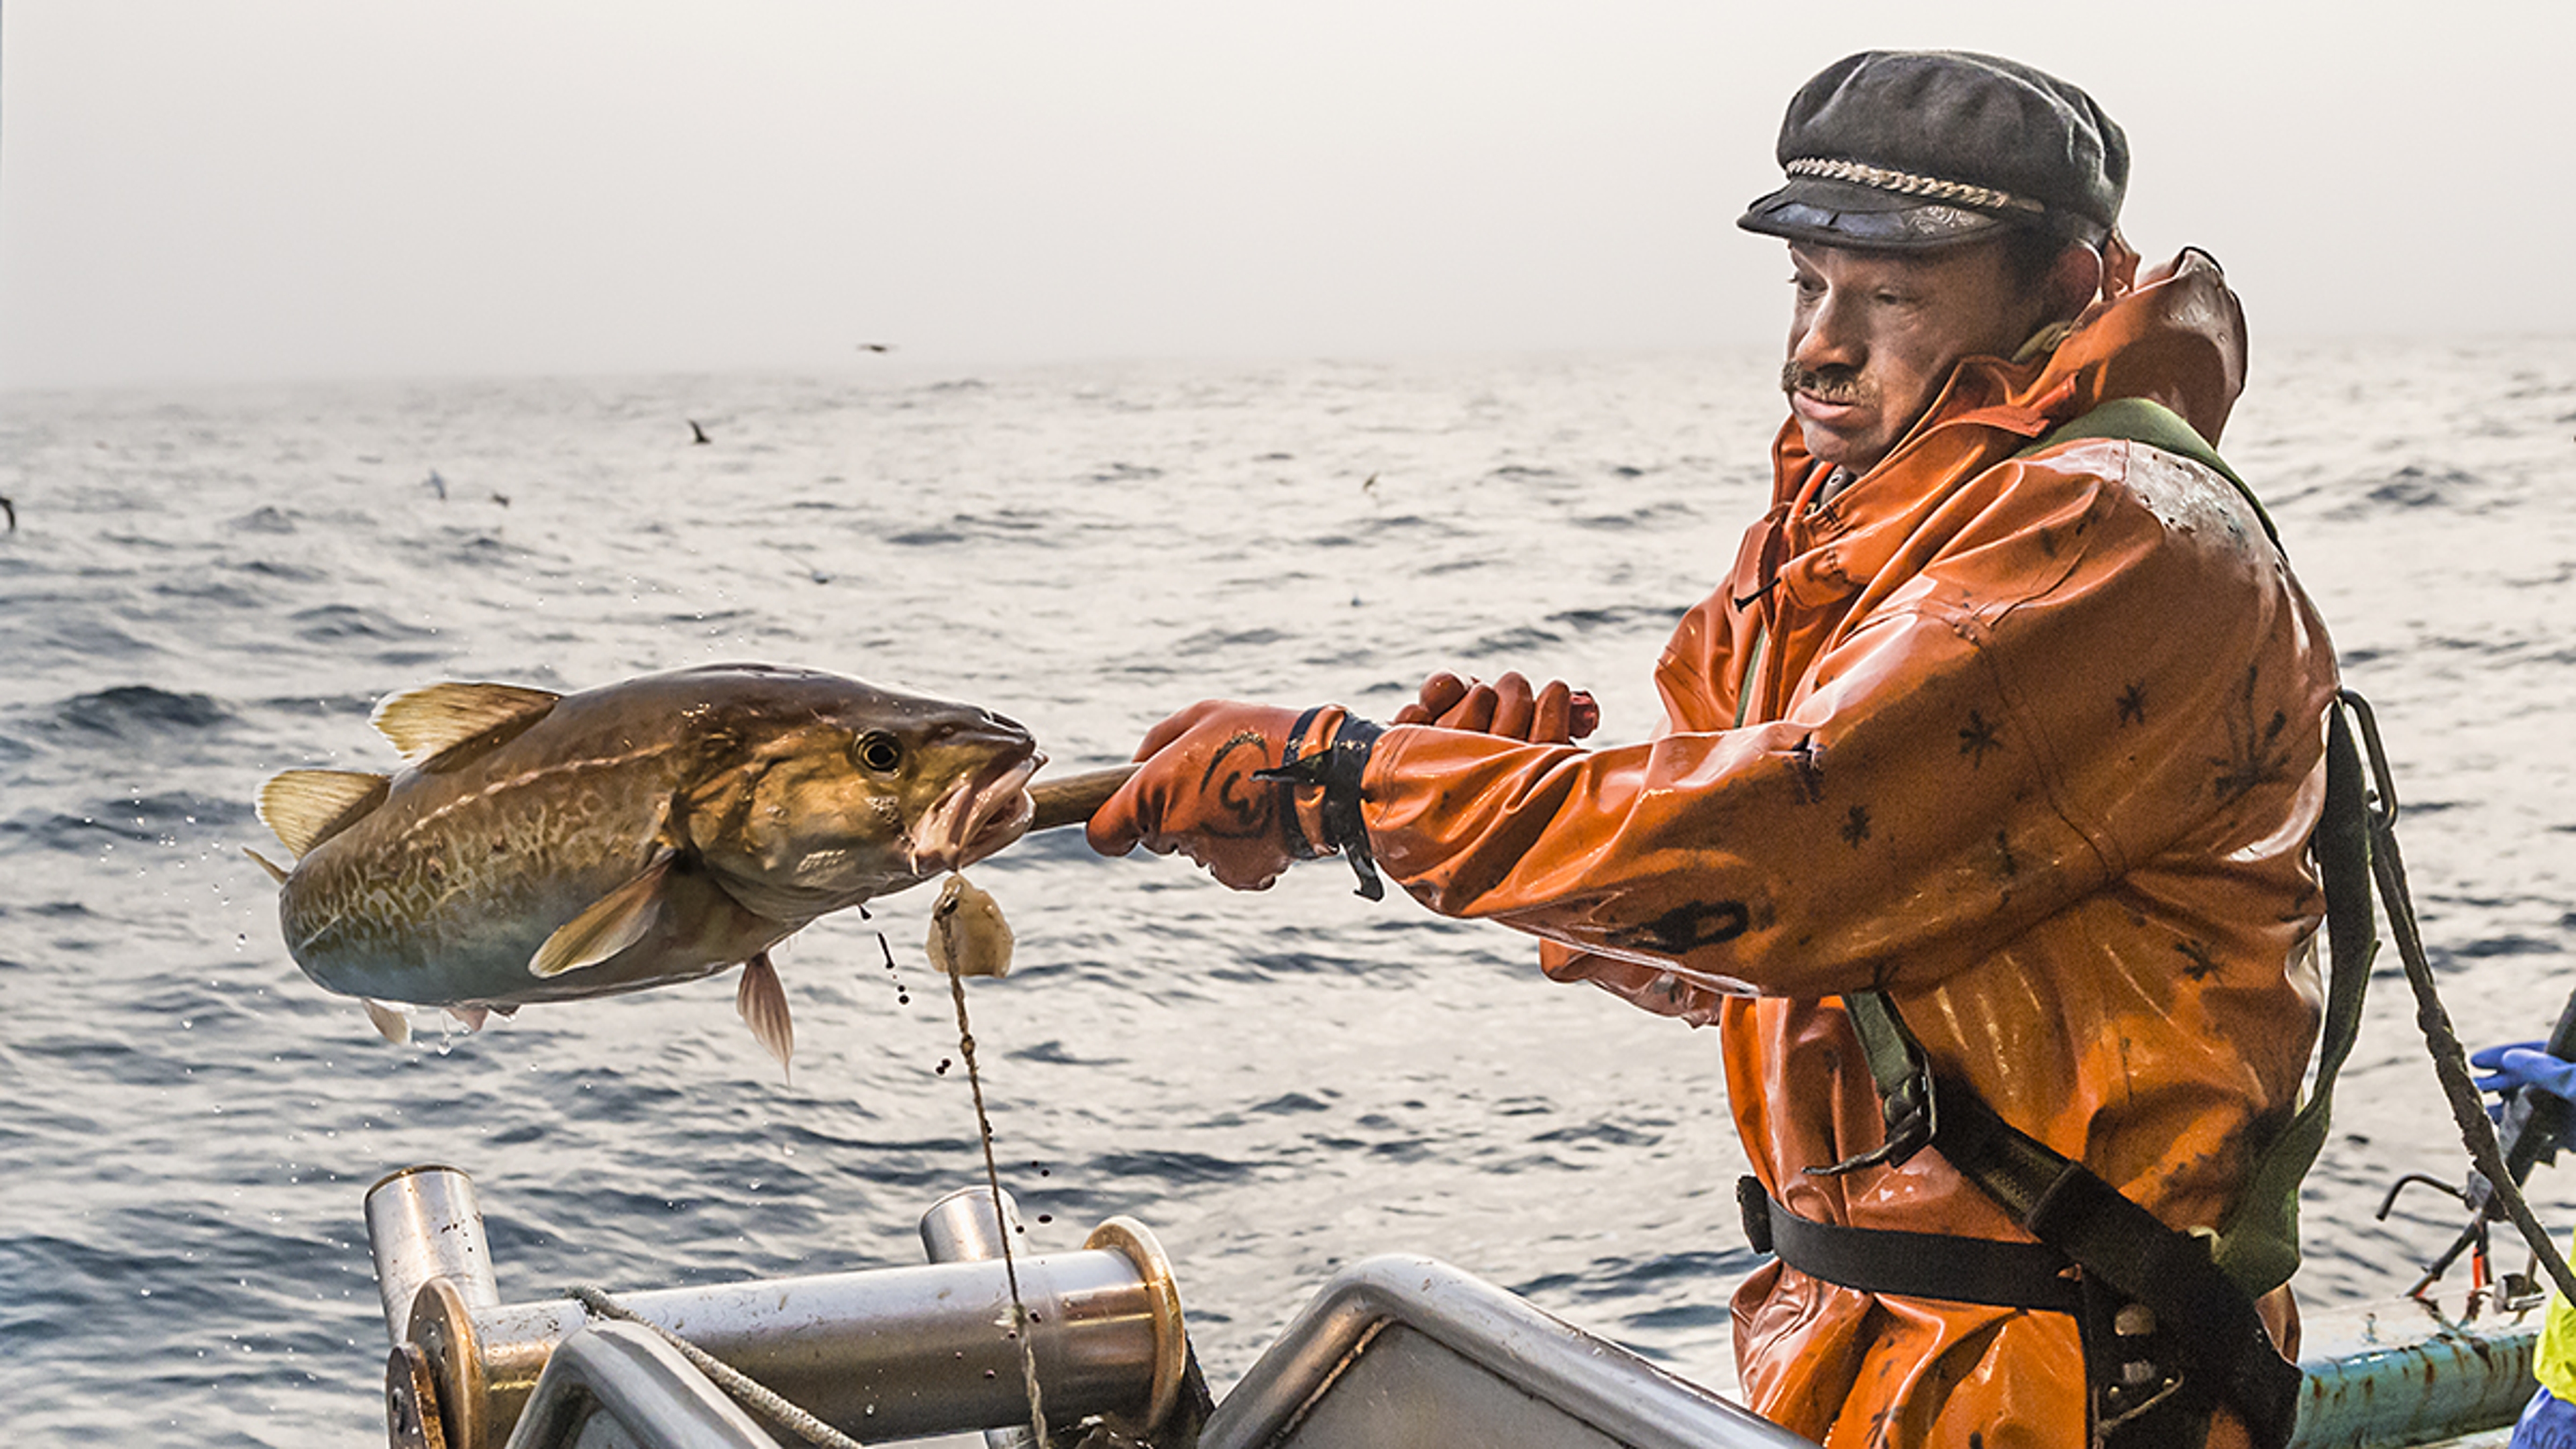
{"x": 438, "y": 483}
{"x": 11, "y": 509}
{"x": 698, "y": 434}
{"x": 876, "y": 347}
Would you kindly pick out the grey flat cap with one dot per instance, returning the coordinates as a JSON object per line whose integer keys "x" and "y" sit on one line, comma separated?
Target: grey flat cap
{"x": 1914, "y": 149}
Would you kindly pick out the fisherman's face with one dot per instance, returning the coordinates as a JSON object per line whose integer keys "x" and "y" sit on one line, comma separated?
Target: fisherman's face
{"x": 1874, "y": 335}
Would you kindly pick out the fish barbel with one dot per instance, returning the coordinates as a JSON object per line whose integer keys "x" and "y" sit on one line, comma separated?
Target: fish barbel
{"x": 545, "y": 847}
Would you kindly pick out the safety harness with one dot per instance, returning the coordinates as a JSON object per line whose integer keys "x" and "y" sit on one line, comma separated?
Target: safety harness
{"x": 2167, "y": 1318}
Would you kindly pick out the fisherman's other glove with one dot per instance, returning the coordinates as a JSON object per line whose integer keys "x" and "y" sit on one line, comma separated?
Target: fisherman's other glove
{"x": 1245, "y": 790}
{"x": 1551, "y": 714}
{"x": 2525, "y": 1066}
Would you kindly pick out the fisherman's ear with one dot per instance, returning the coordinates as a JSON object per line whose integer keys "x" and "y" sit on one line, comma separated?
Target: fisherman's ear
{"x": 2079, "y": 276}
{"x": 2119, "y": 266}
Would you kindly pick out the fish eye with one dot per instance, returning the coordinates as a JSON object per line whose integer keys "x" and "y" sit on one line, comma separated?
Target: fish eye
{"x": 877, "y": 752}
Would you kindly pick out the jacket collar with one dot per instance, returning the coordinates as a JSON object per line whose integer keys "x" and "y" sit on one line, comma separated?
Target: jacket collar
{"x": 2177, "y": 337}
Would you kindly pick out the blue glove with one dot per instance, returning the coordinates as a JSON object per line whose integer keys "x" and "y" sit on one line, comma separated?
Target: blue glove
{"x": 2524, "y": 1066}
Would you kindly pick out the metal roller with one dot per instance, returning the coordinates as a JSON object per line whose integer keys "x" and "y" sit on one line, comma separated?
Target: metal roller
{"x": 886, "y": 1353}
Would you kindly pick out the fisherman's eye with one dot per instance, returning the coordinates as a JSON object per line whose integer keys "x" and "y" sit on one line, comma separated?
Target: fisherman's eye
{"x": 878, "y": 752}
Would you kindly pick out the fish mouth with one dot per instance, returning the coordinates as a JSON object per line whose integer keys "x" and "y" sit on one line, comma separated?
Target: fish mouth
{"x": 978, "y": 815}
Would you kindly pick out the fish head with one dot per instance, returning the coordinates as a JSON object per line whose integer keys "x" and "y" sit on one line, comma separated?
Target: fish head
{"x": 853, "y": 791}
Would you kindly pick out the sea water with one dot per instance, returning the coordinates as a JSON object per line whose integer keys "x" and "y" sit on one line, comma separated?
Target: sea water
{"x": 206, "y": 587}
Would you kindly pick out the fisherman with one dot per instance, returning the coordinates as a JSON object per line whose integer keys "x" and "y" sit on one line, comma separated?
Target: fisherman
{"x": 1994, "y": 756}
{"x": 2549, "y": 1420}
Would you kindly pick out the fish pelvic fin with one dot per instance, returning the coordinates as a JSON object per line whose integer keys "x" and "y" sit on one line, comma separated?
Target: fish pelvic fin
{"x": 614, "y": 922}
{"x": 763, "y": 1004}
{"x": 275, "y": 871}
{"x": 472, "y": 1016}
{"x": 389, "y": 1023}
{"x": 303, "y": 808}
{"x": 441, "y": 726}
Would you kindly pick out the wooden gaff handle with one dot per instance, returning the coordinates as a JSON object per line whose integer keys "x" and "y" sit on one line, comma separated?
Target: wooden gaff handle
{"x": 1071, "y": 800}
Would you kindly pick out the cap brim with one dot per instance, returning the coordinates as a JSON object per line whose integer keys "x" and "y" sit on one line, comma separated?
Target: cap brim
{"x": 1842, "y": 213}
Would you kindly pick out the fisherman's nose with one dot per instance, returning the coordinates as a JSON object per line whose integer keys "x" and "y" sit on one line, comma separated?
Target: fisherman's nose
{"x": 1828, "y": 338}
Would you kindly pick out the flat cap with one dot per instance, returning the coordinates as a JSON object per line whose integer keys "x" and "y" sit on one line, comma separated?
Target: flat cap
{"x": 1914, "y": 149}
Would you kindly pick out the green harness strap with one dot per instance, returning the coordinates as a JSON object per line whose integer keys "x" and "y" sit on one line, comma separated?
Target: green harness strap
{"x": 2143, "y": 420}
{"x": 2072, "y": 1209}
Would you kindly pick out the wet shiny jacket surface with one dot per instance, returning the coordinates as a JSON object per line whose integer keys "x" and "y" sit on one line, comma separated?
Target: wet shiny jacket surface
{"x": 2032, "y": 744}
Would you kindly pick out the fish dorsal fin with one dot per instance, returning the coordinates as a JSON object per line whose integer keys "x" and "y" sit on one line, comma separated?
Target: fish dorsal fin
{"x": 442, "y": 725}
{"x": 307, "y": 807}
{"x": 614, "y": 922}
{"x": 275, "y": 871}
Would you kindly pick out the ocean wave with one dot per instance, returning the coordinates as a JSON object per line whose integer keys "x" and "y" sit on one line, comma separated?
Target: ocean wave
{"x": 141, "y": 711}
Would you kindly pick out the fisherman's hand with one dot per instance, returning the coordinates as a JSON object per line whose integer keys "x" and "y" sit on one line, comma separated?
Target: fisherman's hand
{"x": 1193, "y": 792}
{"x": 2525, "y": 1066}
{"x": 1552, "y": 714}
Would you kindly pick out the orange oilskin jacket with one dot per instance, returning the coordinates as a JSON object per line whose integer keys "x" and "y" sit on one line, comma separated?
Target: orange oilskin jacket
{"x": 2032, "y": 744}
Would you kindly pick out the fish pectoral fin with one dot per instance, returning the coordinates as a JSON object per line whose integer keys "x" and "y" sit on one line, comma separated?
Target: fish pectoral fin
{"x": 440, "y": 726}
{"x": 306, "y": 807}
{"x": 614, "y": 922}
{"x": 763, "y": 1004}
{"x": 276, "y": 872}
{"x": 389, "y": 1022}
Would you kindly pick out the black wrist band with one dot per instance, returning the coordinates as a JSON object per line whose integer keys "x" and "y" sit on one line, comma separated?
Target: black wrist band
{"x": 1297, "y": 841}
{"x": 1339, "y": 768}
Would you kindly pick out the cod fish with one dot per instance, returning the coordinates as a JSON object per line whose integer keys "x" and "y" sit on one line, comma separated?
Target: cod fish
{"x": 546, "y": 847}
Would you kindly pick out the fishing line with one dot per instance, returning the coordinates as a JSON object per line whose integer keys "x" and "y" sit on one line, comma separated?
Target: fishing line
{"x": 993, "y": 1181}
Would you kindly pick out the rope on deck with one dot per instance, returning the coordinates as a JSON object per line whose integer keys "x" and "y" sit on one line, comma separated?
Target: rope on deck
{"x": 753, "y": 1394}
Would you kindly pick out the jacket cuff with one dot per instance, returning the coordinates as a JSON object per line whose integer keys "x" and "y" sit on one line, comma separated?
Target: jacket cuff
{"x": 1326, "y": 757}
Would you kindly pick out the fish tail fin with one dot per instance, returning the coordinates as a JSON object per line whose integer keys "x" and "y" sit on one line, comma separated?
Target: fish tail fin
{"x": 763, "y": 1004}
{"x": 389, "y": 1022}
{"x": 275, "y": 871}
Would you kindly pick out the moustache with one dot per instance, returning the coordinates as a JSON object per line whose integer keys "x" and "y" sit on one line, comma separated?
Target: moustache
{"x": 1827, "y": 384}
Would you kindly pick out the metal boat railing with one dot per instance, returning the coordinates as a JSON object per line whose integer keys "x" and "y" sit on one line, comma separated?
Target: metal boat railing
{"x": 887, "y": 1353}
{"x": 1396, "y": 1350}
{"x": 1408, "y": 1350}
{"x": 617, "y": 1386}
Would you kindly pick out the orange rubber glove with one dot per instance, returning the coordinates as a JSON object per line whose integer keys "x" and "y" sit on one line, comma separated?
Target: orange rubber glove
{"x": 1549, "y": 715}
{"x": 1195, "y": 792}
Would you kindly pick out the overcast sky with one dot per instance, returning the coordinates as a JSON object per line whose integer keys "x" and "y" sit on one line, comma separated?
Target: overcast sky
{"x": 322, "y": 188}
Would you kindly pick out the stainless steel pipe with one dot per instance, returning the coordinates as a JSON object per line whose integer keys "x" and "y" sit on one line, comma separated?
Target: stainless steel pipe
{"x": 887, "y": 1353}
{"x": 424, "y": 1223}
{"x": 965, "y": 1226}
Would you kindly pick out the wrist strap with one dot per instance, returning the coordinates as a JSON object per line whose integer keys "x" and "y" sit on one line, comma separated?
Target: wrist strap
{"x": 1337, "y": 766}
